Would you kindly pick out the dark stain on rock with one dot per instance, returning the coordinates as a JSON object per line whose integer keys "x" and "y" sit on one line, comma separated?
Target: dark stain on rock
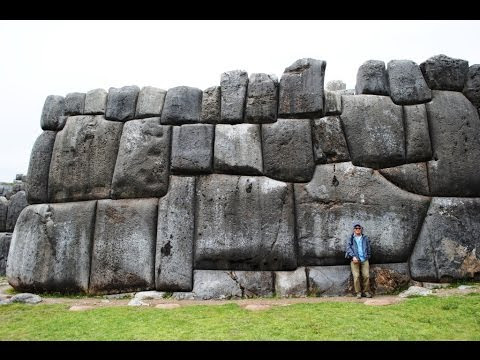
{"x": 165, "y": 250}
{"x": 335, "y": 181}
{"x": 249, "y": 188}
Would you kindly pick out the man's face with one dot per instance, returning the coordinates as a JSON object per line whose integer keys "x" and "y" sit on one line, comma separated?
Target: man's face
{"x": 357, "y": 230}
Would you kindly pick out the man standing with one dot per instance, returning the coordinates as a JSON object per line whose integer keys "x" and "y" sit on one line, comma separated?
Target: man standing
{"x": 358, "y": 251}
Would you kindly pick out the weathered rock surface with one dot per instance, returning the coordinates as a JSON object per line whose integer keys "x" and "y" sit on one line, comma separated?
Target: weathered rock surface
{"x": 291, "y": 283}
{"x": 175, "y": 236}
{"x": 233, "y": 93}
{"x": 121, "y": 103}
{"x": 340, "y": 194}
{"x": 51, "y": 247}
{"x": 83, "y": 159}
{"x": 262, "y": 99}
{"x": 238, "y": 149}
{"x": 17, "y": 203}
{"x": 192, "y": 149}
{"x": 333, "y": 102}
{"x": 244, "y": 223}
{"x": 183, "y": 105}
{"x": 374, "y": 130}
{"x": 53, "y": 113}
{"x": 409, "y": 177}
{"x": 5, "y": 239}
{"x": 417, "y": 138}
{"x": 407, "y": 85}
{"x": 74, "y": 103}
{"x": 442, "y": 72}
{"x": 123, "y": 257}
{"x": 95, "y": 102}
{"x": 211, "y": 105}
{"x": 143, "y": 161}
{"x": 455, "y": 133}
{"x": 388, "y": 278}
{"x": 39, "y": 167}
{"x": 335, "y": 85}
{"x": 288, "y": 150}
{"x": 372, "y": 78}
{"x": 472, "y": 85}
{"x": 329, "y": 142}
{"x": 25, "y": 298}
{"x": 415, "y": 291}
{"x": 3, "y": 213}
{"x": 150, "y": 102}
{"x": 448, "y": 246}
{"x": 301, "y": 89}
{"x": 150, "y": 295}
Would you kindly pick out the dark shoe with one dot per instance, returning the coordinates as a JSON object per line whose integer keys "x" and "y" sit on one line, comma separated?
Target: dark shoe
{"x": 359, "y": 295}
{"x": 368, "y": 295}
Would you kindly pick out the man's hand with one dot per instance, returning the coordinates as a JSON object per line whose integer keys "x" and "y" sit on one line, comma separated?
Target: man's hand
{"x": 355, "y": 260}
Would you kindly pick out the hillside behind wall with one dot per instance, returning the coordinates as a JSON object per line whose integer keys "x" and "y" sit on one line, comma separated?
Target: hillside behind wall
{"x": 251, "y": 188}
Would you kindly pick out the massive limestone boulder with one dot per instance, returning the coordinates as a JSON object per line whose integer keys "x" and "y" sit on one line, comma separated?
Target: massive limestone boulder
{"x": 455, "y": 134}
{"x": 17, "y": 203}
{"x": 175, "y": 236}
{"x": 51, "y": 247}
{"x": 74, "y": 103}
{"x": 341, "y": 194}
{"x": 183, "y": 105}
{"x": 123, "y": 258}
{"x": 83, "y": 159}
{"x": 372, "y": 78}
{"x": 3, "y": 213}
{"x": 39, "y": 167}
{"x": 410, "y": 177}
{"x": 262, "y": 99}
{"x": 233, "y": 92}
{"x": 288, "y": 150}
{"x": 417, "y": 138}
{"x": 192, "y": 149}
{"x": 150, "y": 102}
{"x": 333, "y": 102}
{"x": 238, "y": 149}
{"x": 442, "y": 72}
{"x": 95, "y": 102}
{"x": 142, "y": 166}
{"x": 472, "y": 85}
{"x": 329, "y": 142}
{"x": 244, "y": 223}
{"x": 448, "y": 246}
{"x": 291, "y": 283}
{"x": 407, "y": 85}
{"x": 121, "y": 103}
{"x": 374, "y": 130}
{"x": 53, "y": 113}
{"x": 211, "y": 105}
{"x": 301, "y": 89}
{"x": 5, "y": 239}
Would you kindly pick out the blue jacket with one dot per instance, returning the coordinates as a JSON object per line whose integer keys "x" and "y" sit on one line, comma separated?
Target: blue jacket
{"x": 352, "y": 249}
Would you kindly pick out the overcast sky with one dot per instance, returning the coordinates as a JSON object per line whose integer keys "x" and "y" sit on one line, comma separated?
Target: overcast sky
{"x": 41, "y": 58}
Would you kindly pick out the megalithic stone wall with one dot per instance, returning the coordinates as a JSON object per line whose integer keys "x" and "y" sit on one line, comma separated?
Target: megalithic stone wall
{"x": 251, "y": 187}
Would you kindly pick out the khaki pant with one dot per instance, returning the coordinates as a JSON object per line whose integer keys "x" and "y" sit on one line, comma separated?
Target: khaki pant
{"x": 364, "y": 269}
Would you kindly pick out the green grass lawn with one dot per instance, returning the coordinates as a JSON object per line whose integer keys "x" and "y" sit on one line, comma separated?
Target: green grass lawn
{"x": 423, "y": 318}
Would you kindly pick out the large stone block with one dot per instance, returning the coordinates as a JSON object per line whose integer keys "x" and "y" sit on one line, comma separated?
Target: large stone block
{"x": 121, "y": 103}
{"x": 192, "y": 149}
{"x": 3, "y": 213}
{"x": 53, "y": 113}
{"x": 407, "y": 85}
{"x": 329, "y": 142}
{"x": 95, "y": 102}
{"x": 291, "y": 283}
{"x": 301, "y": 89}
{"x": 74, "y": 104}
{"x": 262, "y": 99}
{"x": 142, "y": 166}
{"x": 83, "y": 159}
{"x": 51, "y": 247}
{"x": 288, "y": 150}
{"x": 372, "y": 78}
{"x": 244, "y": 223}
{"x": 183, "y": 105}
{"x": 17, "y": 203}
{"x": 417, "y": 137}
{"x": 39, "y": 167}
{"x": 409, "y": 177}
{"x": 455, "y": 134}
{"x": 472, "y": 85}
{"x": 374, "y": 131}
{"x": 233, "y": 93}
{"x": 341, "y": 194}
{"x": 448, "y": 246}
{"x": 175, "y": 236}
{"x": 123, "y": 257}
{"x": 333, "y": 102}
{"x": 150, "y": 102}
{"x": 335, "y": 85}
{"x": 5, "y": 239}
{"x": 238, "y": 149}
{"x": 211, "y": 105}
{"x": 442, "y": 72}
